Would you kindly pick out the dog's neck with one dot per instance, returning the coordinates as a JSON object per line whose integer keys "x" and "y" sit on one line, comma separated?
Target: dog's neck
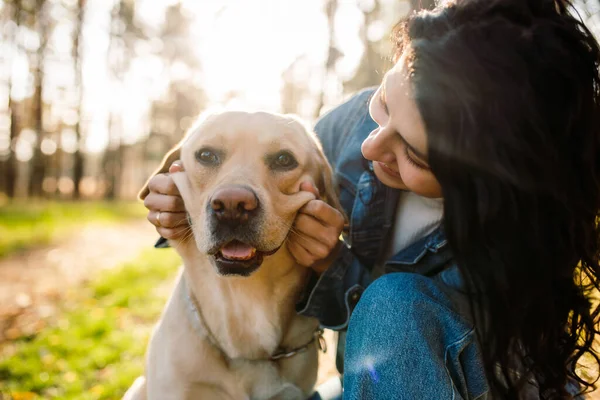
{"x": 249, "y": 317}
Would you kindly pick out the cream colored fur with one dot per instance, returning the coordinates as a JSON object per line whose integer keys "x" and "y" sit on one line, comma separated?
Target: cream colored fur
{"x": 250, "y": 317}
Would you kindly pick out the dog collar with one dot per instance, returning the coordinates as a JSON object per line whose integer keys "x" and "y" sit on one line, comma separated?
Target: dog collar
{"x": 317, "y": 335}
{"x": 197, "y": 320}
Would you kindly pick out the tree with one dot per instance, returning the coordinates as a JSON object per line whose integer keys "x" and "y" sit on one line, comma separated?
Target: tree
{"x": 171, "y": 114}
{"x": 368, "y": 71}
{"x": 333, "y": 54}
{"x": 11, "y": 162}
{"x": 39, "y": 160}
{"x": 124, "y": 33}
{"x": 79, "y": 160}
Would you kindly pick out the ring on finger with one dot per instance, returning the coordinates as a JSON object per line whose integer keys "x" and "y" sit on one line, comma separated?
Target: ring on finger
{"x": 158, "y": 224}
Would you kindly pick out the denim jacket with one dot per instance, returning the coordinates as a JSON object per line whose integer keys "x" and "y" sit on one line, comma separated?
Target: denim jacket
{"x": 370, "y": 206}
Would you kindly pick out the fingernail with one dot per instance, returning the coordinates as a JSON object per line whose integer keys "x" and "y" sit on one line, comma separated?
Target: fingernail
{"x": 176, "y": 167}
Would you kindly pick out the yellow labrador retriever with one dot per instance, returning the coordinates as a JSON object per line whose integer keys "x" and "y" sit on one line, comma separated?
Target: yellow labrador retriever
{"x": 230, "y": 330}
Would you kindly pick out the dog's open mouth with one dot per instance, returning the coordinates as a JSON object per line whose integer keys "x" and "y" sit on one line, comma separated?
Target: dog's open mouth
{"x": 237, "y": 251}
{"x": 238, "y": 258}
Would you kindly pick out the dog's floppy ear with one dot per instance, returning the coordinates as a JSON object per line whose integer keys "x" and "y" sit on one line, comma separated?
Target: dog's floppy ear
{"x": 173, "y": 155}
{"x": 326, "y": 184}
{"x": 325, "y": 179}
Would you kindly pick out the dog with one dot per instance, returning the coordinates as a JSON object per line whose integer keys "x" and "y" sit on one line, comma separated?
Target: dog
{"x": 230, "y": 329}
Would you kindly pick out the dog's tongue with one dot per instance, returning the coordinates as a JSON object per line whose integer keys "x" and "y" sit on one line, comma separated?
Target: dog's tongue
{"x": 238, "y": 251}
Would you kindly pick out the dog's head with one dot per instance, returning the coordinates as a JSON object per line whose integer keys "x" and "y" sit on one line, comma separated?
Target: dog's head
{"x": 241, "y": 184}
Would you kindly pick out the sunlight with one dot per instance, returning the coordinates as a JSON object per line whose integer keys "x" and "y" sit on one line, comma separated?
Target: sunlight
{"x": 247, "y": 45}
{"x": 243, "y": 49}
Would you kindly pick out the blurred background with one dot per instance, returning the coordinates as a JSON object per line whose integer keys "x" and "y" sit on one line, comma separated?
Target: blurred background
{"x": 93, "y": 93}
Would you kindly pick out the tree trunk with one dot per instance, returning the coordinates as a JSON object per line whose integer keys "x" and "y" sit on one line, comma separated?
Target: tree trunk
{"x": 111, "y": 161}
{"x": 11, "y": 162}
{"x": 78, "y": 162}
{"x": 332, "y": 54}
{"x": 39, "y": 162}
{"x": 367, "y": 73}
{"x": 112, "y": 165}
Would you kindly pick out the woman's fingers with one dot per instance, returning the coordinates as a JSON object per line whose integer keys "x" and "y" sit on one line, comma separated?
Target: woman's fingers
{"x": 308, "y": 227}
{"x": 309, "y": 187}
{"x": 177, "y": 166}
{"x": 162, "y": 202}
{"x": 305, "y": 257}
{"x": 324, "y": 213}
{"x": 163, "y": 184}
{"x": 169, "y": 220}
{"x": 316, "y": 233}
{"x": 166, "y": 210}
{"x": 175, "y": 233}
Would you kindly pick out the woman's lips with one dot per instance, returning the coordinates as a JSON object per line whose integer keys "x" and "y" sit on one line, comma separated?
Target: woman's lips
{"x": 388, "y": 170}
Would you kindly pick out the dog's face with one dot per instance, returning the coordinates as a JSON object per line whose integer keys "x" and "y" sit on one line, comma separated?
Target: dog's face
{"x": 241, "y": 184}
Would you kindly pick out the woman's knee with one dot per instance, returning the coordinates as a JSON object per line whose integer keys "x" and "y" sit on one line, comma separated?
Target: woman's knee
{"x": 399, "y": 333}
{"x": 403, "y": 307}
{"x": 397, "y": 291}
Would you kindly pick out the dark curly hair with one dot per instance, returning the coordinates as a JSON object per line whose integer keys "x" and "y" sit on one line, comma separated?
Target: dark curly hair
{"x": 509, "y": 91}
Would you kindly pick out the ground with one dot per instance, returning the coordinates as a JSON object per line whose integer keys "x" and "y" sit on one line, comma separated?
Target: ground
{"x": 32, "y": 283}
{"x": 36, "y": 285}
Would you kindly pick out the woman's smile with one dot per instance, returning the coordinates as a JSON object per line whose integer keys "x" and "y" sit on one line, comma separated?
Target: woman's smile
{"x": 388, "y": 170}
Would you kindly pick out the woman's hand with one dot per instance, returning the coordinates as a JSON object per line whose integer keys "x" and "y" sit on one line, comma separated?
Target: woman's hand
{"x": 316, "y": 229}
{"x": 165, "y": 206}
{"x": 316, "y": 233}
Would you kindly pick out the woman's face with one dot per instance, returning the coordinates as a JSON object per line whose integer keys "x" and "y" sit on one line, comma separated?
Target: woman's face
{"x": 398, "y": 147}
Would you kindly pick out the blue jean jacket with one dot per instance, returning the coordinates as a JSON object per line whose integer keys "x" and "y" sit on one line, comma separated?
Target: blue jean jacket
{"x": 370, "y": 206}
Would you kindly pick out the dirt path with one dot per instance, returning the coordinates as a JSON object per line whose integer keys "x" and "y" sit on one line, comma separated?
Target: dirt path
{"x": 31, "y": 283}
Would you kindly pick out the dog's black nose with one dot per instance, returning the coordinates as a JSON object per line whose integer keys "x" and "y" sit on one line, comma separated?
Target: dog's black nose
{"x": 233, "y": 204}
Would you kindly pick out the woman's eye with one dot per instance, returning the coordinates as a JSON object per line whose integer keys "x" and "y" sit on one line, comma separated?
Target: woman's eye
{"x": 413, "y": 162}
{"x": 207, "y": 157}
{"x": 284, "y": 161}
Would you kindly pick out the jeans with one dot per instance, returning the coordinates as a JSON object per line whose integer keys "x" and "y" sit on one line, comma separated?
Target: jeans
{"x": 409, "y": 337}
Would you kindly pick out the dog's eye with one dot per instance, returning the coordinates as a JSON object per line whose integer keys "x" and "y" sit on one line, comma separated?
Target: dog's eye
{"x": 207, "y": 157}
{"x": 284, "y": 161}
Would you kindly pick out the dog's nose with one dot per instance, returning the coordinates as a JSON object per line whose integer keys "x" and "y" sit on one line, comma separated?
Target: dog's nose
{"x": 233, "y": 204}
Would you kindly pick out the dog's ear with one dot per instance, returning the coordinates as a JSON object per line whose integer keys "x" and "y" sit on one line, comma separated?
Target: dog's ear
{"x": 325, "y": 178}
{"x": 173, "y": 155}
{"x": 326, "y": 182}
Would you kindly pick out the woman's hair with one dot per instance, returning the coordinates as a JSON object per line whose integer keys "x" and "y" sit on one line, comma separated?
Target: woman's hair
{"x": 509, "y": 91}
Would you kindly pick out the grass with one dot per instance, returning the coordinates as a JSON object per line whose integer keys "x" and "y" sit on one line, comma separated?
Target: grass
{"x": 30, "y": 224}
{"x": 94, "y": 349}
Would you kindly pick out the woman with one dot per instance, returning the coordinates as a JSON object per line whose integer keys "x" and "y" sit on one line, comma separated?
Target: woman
{"x": 493, "y": 105}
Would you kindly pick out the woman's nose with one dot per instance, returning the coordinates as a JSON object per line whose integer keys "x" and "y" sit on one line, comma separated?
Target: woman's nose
{"x": 374, "y": 145}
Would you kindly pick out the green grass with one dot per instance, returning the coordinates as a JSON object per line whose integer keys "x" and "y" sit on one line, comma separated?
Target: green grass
{"x": 94, "y": 349}
{"x": 30, "y": 224}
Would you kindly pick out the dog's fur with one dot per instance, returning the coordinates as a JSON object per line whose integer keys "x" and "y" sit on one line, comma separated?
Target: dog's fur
{"x": 250, "y": 317}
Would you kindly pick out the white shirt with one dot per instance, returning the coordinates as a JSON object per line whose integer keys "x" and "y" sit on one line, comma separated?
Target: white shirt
{"x": 416, "y": 217}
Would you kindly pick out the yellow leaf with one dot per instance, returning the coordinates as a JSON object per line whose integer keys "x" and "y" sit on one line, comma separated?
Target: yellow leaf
{"x": 23, "y": 395}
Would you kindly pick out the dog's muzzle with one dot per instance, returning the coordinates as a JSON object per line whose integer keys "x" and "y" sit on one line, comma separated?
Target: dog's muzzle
{"x": 234, "y": 220}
